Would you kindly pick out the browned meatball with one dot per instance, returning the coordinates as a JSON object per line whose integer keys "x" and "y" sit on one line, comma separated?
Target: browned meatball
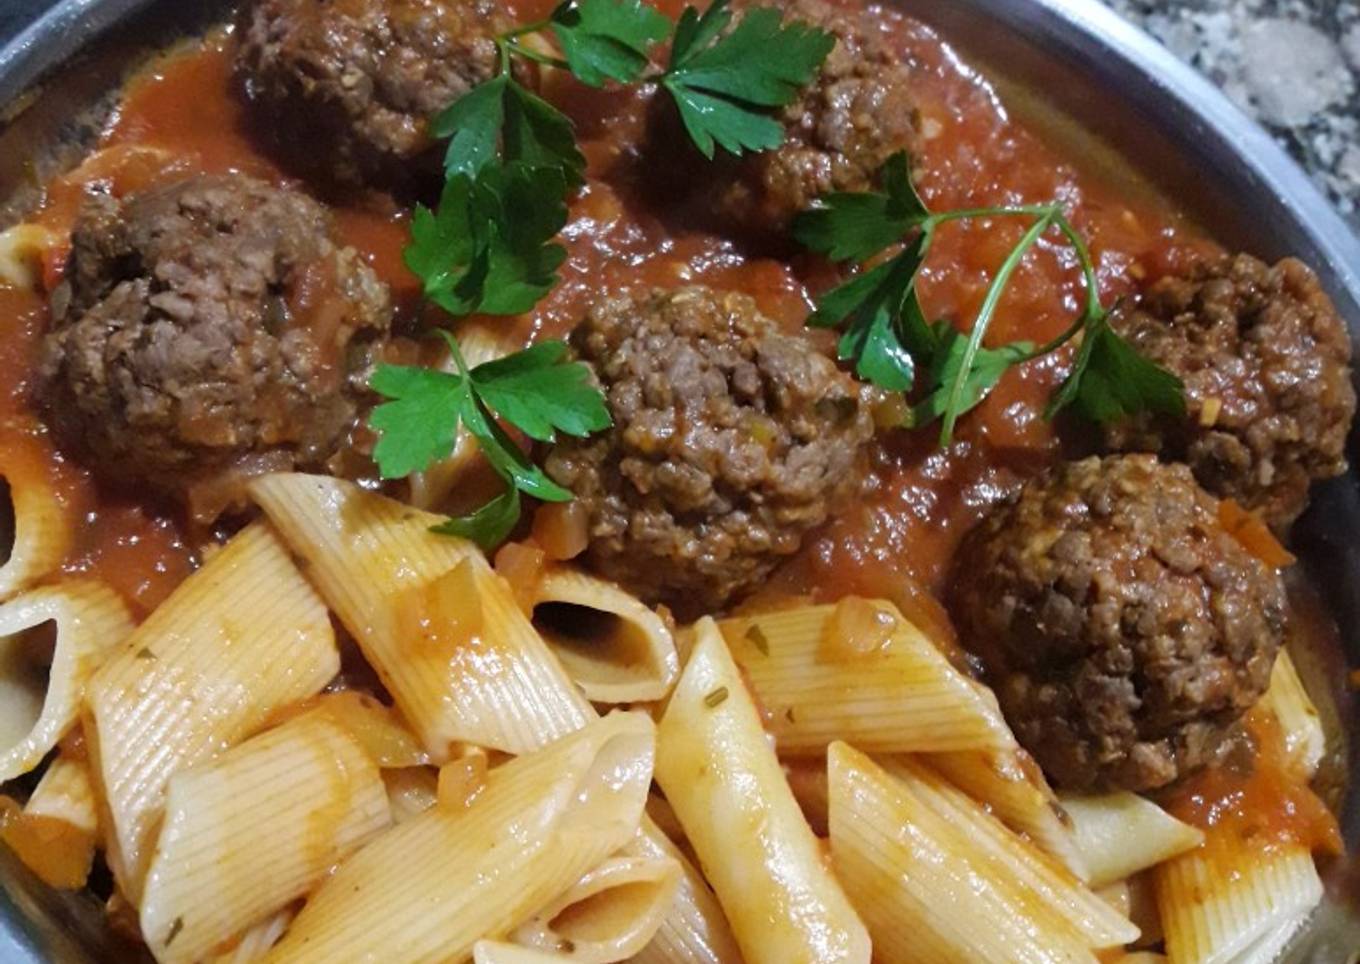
{"x": 208, "y": 330}
{"x": 350, "y": 86}
{"x": 1266, "y": 363}
{"x": 730, "y": 442}
{"x": 856, "y": 114}
{"x": 1124, "y": 631}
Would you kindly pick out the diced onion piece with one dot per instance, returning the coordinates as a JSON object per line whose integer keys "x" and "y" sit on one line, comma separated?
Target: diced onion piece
{"x": 857, "y": 628}
{"x": 562, "y": 529}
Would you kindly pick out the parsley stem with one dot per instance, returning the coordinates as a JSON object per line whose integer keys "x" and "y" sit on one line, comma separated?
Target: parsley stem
{"x": 528, "y": 53}
{"x": 985, "y": 315}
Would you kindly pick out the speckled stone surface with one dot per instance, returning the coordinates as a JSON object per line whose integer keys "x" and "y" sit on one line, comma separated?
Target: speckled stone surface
{"x": 1292, "y": 64}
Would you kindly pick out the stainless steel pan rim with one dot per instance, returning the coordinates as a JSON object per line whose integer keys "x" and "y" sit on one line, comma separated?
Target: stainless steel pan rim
{"x": 1107, "y": 74}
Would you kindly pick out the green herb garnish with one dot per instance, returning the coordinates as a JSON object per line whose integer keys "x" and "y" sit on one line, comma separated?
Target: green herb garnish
{"x": 887, "y": 338}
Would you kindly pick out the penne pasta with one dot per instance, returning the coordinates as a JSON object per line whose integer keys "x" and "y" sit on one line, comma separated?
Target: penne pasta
{"x": 88, "y": 620}
{"x": 1220, "y": 902}
{"x": 1037, "y": 886}
{"x": 694, "y": 929}
{"x": 429, "y": 889}
{"x": 889, "y": 691}
{"x": 23, "y": 250}
{"x": 41, "y": 532}
{"x": 56, "y": 831}
{"x": 255, "y": 829}
{"x": 719, "y": 771}
{"x": 258, "y": 940}
{"x": 1305, "y": 742}
{"x": 807, "y": 780}
{"x": 609, "y": 914}
{"x": 443, "y": 631}
{"x": 1120, "y": 834}
{"x": 241, "y": 639}
{"x": 499, "y": 952}
{"x": 912, "y": 875}
{"x": 613, "y": 647}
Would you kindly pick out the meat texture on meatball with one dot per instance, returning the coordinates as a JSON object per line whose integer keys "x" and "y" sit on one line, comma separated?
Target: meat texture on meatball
{"x": 209, "y": 328}
{"x": 730, "y": 441}
{"x": 352, "y": 85}
{"x": 856, "y": 113}
{"x": 1124, "y": 631}
{"x": 1266, "y": 364}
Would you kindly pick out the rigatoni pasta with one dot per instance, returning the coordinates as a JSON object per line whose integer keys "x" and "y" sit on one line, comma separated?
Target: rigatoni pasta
{"x": 56, "y": 831}
{"x": 1120, "y": 834}
{"x": 42, "y": 532}
{"x": 723, "y": 779}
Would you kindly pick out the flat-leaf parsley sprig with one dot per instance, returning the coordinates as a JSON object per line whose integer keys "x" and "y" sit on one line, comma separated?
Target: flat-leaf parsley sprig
{"x": 886, "y": 336}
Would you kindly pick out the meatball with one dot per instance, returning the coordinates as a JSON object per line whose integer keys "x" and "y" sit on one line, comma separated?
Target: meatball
{"x": 730, "y": 441}
{"x": 856, "y": 114}
{"x": 207, "y": 329}
{"x": 1124, "y": 631}
{"x": 1266, "y": 363}
{"x": 353, "y": 84}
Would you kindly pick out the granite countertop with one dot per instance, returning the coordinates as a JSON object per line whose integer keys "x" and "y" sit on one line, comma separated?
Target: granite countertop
{"x": 1292, "y": 64}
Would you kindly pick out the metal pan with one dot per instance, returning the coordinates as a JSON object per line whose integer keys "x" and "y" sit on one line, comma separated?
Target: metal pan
{"x": 1091, "y": 70}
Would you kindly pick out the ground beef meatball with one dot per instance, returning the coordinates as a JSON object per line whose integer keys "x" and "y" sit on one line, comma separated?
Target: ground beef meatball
{"x": 353, "y": 84}
{"x": 730, "y": 441}
{"x": 208, "y": 329}
{"x": 856, "y": 114}
{"x": 1266, "y": 363}
{"x": 1124, "y": 631}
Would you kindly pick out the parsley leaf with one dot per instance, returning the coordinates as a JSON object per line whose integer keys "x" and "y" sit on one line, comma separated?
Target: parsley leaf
{"x": 420, "y": 425}
{"x": 1110, "y": 380}
{"x": 855, "y": 227}
{"x": 490, "y": 525}
{"x": 540, "y": 396}
{"x": 987, "y": 367}
{"x": 608, "y": 39}
{"x": 726, "y": 82}
{"x": 503, "y": 121}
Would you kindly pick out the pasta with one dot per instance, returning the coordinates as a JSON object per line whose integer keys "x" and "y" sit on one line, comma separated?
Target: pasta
{"x": 55, "y": 833}
{"x": 1121, "y": 834}
{"x": 42, "y": 532}
{"x": 499, "y": 952}
{"x": 694, "y": 929}
{"x": 255, "y": 829}
{"x": 910, "y": 873}
{"x": 241, "y": 639}
{"x": 1305, "y": 743}
{"x": 430, "y": 888}
{"x": 256, "y": 942}
{"x": 88, "y": 620}
{"x": 609, "y": 914}
{"x": 443, "y": 631}
{"x": 613, "y": 647}
{"x": 23, "y": 250}
{"x": 722, "y": 777}
{"x": 901, "y": 696}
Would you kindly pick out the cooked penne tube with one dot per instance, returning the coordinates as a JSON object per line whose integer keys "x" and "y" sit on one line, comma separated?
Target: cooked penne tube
{"x": 241, "y": 639}
{"x": 1305, "y": 742}
{"x": 443, "y": 631}
{"x": 23, "y": 249}
{"x": 1219, "y": 902}
{"x": 499, "y": 952}
{"x": 860, "y": 672}
{"x": 613, "y": 647}
{"x": 41, "y": 532}
{"x": 256, "y": 942}
{"x": 807, "y": 780}
{"x": 719, "y": 771}
{"x": 1036, "y": 885}
{"x": 910, "y": 872}
{"x": 87, "y": 620}
{"x": 694, "y": 929}
{"x": 255, "y": 829}
{"x": 55, "y": 833}
{"x": 609, "y": 914}
{"x": 1010, "y": 783}
{"x": 430, "y": 888}
{"x": 1120, "y": 834}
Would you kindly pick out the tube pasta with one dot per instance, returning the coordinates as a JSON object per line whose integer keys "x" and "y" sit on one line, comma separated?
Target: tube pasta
{"x": 1305, "y": 742}
{"x": 1226, "y": 900}
{"x": 1120, "y": 834}
{"x": 257, "y": 941}
{"x": 720, "y": 773}
{"x": 255, "y": 829}
{"x": 90, "y": 620}
{"x": 443, "y": 631}
{"x": 613, "y": 647}
{"x": 912, "y": 875}
{"x": 431, "y": 489}
{"x": 499, "y": 952}
{"x": 23, "y": 248}
{"x": 241, "y": 639}
{"x": 902, "y": 697}
{"x": 42, "y": 533}
{"x": 55, "y": 833}
{"x": 429, "y": 889}
{"x": 694, "y": 929}
{"x": 609, "y": 914}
